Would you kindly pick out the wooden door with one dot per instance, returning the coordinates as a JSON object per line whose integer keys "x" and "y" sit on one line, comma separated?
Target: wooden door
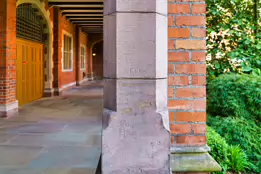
{"x": 30, "y": 71}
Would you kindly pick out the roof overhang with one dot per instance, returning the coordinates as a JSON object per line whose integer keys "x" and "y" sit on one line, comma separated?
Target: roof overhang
{"x": 88, "y": 14}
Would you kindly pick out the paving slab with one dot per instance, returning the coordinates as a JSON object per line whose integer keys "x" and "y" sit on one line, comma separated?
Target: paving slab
{"x": 57, "y": 135}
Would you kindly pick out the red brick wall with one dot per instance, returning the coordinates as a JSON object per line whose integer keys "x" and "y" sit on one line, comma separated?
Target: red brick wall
{"x": 7, "y": 51}
{"x": 187, "y": 69}
{"x": 65, "y": 25}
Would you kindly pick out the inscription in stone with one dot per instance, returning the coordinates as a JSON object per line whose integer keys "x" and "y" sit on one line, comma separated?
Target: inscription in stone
{"x": 155, "y": 147}
{"x": 134, "y": 71}
{"x": 133, "y": 170}
{"x": 130, "y": 134}
{"x": 137, "y": 71}
{"x": 105, "y": 149}
{"x": 124, "y": 123}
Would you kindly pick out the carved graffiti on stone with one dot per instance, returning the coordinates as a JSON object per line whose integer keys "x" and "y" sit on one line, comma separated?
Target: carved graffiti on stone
{"x": 105, "y": 149}
{"x": 130, "y": 134}
{"x": 124, "y": 123}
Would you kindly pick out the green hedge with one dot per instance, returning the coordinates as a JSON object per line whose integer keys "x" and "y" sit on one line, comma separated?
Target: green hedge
{"x": 242, "y": 132}
{"x": 233, "y": 94}
{"x": 230, "y": 158}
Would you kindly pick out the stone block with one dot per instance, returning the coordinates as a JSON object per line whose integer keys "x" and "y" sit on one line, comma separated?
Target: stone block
{"x": 156, "y": 6}
{"x": 135, "y": 143}
{"x": 188, "y": 159}
{"x": 134, "y": 96}
{"x": 135, "y": 45}
{"x": 109, "y": 46}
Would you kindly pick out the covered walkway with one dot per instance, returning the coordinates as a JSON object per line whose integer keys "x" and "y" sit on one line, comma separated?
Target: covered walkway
{"x": 58, "y": 135}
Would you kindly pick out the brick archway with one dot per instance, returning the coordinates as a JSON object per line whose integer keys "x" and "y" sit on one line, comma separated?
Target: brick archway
{"x": 97, "y": 59}
{"x": 44, "y": 14}
{"x": 92, "y": 40}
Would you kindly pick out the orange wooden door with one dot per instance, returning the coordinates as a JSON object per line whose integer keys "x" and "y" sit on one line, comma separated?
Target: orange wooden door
{"x": 30, "y": 71}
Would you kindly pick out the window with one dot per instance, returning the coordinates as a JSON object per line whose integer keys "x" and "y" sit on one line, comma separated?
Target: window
{"x": 83, "y": 57}
{"x": 28, "y": 25}
{"x": 67, "y": 53}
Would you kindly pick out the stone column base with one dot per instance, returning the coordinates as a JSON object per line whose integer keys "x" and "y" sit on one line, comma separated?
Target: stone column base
{"x": 192, "y": 159}
{"x": 90, "y": 76}
{"x": 98, "y": 78}
{"x": 135, "y": 143}
{"x": 48, "y": 92}
{"x": 82, "y": 81}
{"x": 7, "y": 110}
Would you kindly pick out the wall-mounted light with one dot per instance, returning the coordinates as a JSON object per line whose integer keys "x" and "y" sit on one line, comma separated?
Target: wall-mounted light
{"x": 93, "y": 54}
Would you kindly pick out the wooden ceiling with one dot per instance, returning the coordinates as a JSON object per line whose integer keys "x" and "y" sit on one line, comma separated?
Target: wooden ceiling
{"x": 88, "y": 14}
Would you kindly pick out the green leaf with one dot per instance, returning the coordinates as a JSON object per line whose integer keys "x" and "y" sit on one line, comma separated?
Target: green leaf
{"x": 246, "y": 69}
{"x": 217, "y": 65}
{"x": 258, "y": 62}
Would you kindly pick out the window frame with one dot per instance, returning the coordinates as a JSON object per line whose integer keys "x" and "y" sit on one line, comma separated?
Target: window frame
{"x": 65, "y": 33}
{"x": 84, "y": 55}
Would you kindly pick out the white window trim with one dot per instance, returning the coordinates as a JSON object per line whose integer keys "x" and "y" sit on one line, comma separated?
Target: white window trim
{"x": 72, "y": 58}
{"x": 85, "y": 57}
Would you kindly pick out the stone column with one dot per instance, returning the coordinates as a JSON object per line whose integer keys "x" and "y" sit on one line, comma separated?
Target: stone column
{"x": 135, "y": 136}
{"x": 8, "y": 102}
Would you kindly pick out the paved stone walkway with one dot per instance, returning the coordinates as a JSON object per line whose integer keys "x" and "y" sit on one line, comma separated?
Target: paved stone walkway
{"x": 58, "y": 135}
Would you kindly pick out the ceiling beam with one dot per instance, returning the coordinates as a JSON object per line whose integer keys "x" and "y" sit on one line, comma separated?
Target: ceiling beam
{"x": 87, "y": 22}
{"x": 77, "y": 5}
{"x": 87, "y": 14}
{"x": 81, "y": 11}
{"x": 74, "y": 1}
{"x": 83, "y": 15}
{"x": 81, "y": 25}
{"x": 81, "y": 8}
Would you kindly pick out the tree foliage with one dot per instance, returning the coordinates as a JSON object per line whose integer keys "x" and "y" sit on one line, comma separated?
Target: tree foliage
{"x": 233, "y": 41}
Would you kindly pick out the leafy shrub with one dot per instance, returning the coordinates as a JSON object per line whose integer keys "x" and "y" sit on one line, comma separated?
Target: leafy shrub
{"x": 242, "y": 132}
{"x": 237, "y": 159}
{"x": 219, "y": 148}
{"x": 234, "y": 94}
{"x": 230, "y": 158}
